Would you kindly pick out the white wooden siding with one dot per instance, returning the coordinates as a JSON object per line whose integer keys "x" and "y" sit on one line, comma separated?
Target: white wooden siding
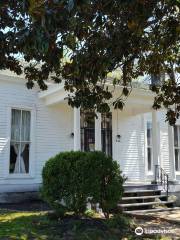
{"x": 129, "y": 152}
{"x": 52, "y": 133}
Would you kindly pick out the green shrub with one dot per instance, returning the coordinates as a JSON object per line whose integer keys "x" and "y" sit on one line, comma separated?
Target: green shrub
{"x": 107, "y": 186}
{"x": 70, "y": 178}
{"x": 119, "y": 221}
{"x": 64, "y": 184}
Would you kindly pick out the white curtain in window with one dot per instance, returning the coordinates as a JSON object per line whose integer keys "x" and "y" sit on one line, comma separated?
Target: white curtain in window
{"x": 22, "y": 164}
{"x": 16, "y": 149}
{"x": 25, "y": 126}
{"x": 20, "y": 135}
{"x": 15, "y": 125}
{"x": 19, "y": 165}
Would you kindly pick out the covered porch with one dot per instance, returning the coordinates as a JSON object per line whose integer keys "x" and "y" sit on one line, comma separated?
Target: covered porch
{"x": 117, "y": 133}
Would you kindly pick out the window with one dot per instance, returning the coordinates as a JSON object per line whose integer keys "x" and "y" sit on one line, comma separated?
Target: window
{"x": 106, "y": 133}
{"x": 177, "y": 147}
{"x": 20, "y": 141}
{"x": 149, "y": 146}
{"x": 87, "y": 131}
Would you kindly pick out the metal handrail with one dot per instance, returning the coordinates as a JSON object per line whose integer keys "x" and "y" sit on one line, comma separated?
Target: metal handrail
{"x": 161, "y": 177}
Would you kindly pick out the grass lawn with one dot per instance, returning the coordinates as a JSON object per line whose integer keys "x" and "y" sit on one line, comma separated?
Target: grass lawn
{"x": 40, "y": 226}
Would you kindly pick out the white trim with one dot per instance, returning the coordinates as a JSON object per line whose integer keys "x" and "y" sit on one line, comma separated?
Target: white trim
{"x": 136, "y": 91}
{"x": 155, "y": 134}
{"x": 51, "y": 90}
{"x": 98, "y": 134}
{"x": 56, "y": 94}
{"x": 171, "y": 152}
{"x": 77, "y": 130}
{"x": 19, "y": 176}
{"x": 177, "y": 172}
{"x": 31, "y": 173}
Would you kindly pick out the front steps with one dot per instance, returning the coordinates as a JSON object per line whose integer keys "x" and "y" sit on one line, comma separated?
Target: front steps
{"x": 151, "y": 211}
{"x": 143, "y": 197}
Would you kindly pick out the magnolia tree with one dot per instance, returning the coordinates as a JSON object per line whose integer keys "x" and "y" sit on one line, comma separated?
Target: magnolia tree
{"x": 82, "y": 41}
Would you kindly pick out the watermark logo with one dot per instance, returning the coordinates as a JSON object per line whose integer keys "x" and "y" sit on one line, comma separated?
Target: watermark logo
{"x": 139, "y": 231}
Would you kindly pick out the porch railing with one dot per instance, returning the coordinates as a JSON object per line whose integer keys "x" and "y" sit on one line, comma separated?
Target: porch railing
{"x": 162, "y": 178}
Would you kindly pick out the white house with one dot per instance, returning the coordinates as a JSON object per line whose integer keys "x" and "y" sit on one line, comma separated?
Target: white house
{"x": 35, "y": 126}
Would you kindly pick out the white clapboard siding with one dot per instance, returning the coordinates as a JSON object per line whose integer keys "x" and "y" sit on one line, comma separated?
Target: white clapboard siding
{"x": 53, "y": 126}
{"x": 129, "y": 152}
{"x": 52, "y": 129}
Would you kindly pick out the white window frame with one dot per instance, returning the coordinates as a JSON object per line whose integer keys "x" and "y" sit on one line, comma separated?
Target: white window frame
{"x": 149, "y": 172}
{"x": 32, "y": 166}
{"x": 177, "y": 147}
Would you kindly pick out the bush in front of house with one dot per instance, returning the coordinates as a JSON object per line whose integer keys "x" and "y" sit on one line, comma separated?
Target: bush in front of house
{"x": 107, "y": 188}
{"x": 70, "y": 178}
{"x": 64, "y": 183}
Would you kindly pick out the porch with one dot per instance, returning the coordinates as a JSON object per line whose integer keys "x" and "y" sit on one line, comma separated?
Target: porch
{"x": 123, "y": 135}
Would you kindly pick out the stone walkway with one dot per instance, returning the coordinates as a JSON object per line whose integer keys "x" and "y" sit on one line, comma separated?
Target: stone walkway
{"x": 170, "y": 215}
{"x": 167, "y": 230}
{"x": 167, "y": 222}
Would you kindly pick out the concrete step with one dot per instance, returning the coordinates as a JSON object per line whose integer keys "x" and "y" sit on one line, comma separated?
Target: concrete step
{"x": 135, "y": 185}
{"x": 142, "y": 191}
{"x": 138, "y": 193}
{"x": 153, "y": 210}
{"x": 130, "y": 205}
{"x": 143, "y": 197}
{"x": 145, "y": 186}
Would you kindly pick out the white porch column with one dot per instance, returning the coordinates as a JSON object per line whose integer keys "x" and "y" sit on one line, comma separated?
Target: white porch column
{"x": 171, "y": 153}
{"x": 77, "y": 130}
{"x": 155, "y": 143}
{"x": 98, "y": 145}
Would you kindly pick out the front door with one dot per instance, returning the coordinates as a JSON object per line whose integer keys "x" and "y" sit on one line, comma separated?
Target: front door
{"x": 88, "y": 132}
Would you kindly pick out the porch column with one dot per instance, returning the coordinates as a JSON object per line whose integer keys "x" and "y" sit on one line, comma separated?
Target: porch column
{"x": 77, "y": 130}
{"x": 171, "y": 153}
{"x": 155, "y": 143}
{"x": 98, "y": 145}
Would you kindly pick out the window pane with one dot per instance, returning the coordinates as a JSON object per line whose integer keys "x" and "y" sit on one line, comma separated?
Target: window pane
{"x": 106, "y": 133}
{"x": 19, "y": 158}
{"x": 177, "y": 159}
{"x": 87, "y": 119}
{"x": 15, "y": 125}
{"x": 178, "y": 133}
{"x": 88, "y": 139}
{"x": 24, "y": 158}
{"x": 148, "y": 137}
{"x": 106, "y": 120}
{"x": 87, "y": 131}
{"x": 14, "y": 152}
{"x": 149, "y": 125}
{"x": 149, "y": 159}
{"x": 149, "y": 133}
{"x": 20, "y": 138}
{"x": 175, "y": 136}
{"x": 25, "y": 128}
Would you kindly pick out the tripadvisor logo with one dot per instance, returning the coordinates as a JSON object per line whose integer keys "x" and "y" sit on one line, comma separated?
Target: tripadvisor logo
{"x": 139, "y": 231}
